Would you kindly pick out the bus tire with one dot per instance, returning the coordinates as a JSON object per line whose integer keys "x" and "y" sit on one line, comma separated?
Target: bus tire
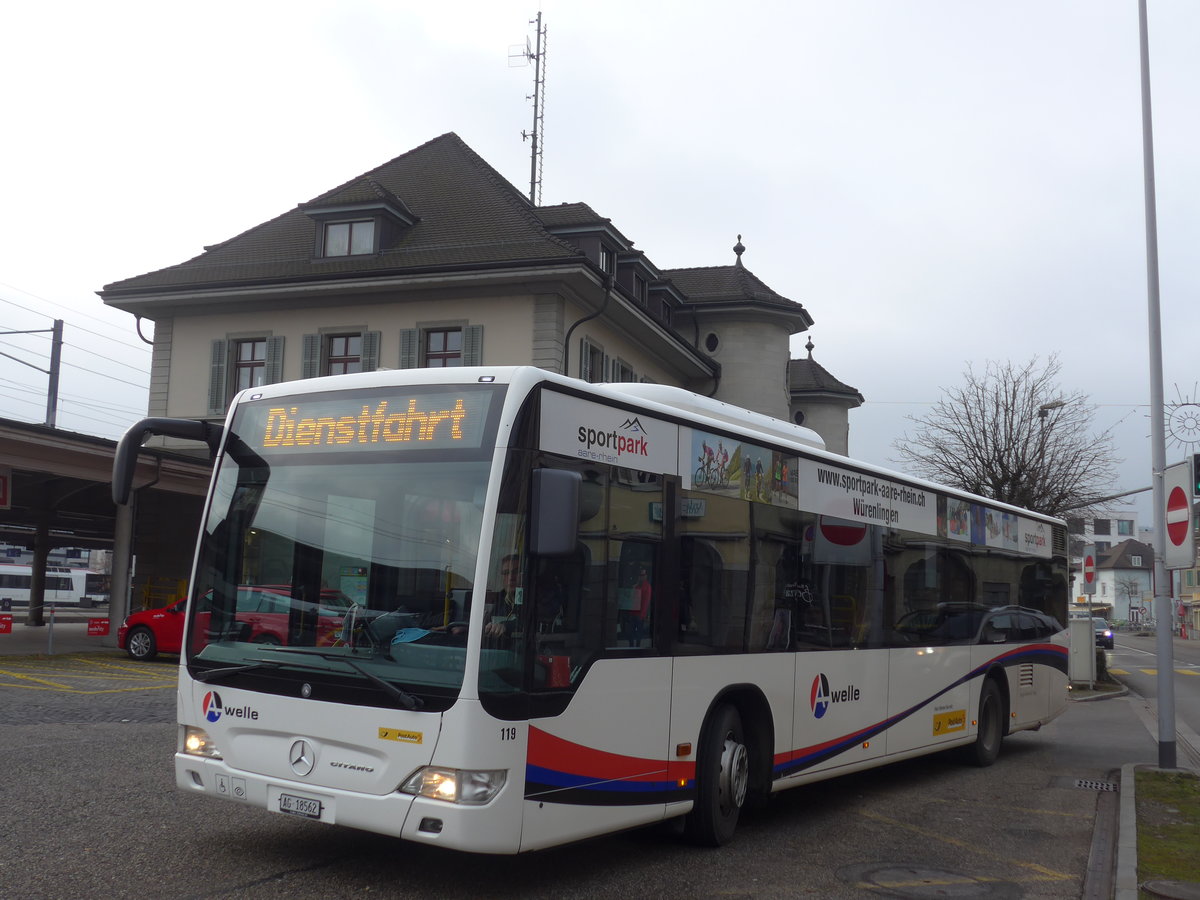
{"x": 986, "y": 748}
{"x": 722, "y": 779}
{"x": 140, "y": 644}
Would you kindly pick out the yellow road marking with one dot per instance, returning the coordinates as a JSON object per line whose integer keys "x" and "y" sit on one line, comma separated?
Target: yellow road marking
{"x": 1044, "y": 873}
{"x": 71, "y": 674}
{"x": 1020, "y": 809}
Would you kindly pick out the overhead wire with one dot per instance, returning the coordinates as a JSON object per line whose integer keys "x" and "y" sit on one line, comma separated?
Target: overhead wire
{"x": 75, "y": 312}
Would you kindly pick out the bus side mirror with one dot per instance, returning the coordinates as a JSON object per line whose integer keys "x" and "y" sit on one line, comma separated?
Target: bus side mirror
{"x": 126, "y": 457}
{"x": 554, "y": 504}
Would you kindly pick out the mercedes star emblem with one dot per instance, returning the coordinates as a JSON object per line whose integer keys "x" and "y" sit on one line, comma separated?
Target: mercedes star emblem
{"x": 302, "y": 757}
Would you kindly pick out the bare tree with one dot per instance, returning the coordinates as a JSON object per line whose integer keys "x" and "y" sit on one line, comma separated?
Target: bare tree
{"x": 1013, "y": 435}
{"x": 1131, "y": 588}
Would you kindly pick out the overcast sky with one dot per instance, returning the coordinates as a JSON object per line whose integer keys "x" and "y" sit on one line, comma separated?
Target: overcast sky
{"x": 939, "y": 183}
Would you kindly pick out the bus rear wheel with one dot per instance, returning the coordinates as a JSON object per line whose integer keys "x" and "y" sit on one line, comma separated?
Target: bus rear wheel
{"x": 986, "y": 748}
{"x": 722, "y": 779}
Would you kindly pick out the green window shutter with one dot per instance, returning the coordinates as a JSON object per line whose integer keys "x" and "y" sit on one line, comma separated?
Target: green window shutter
{"x": 274, "y": 367}
{"x": 410, "y": 348}
{"x": 217, "y": 390}
{"x": 370, "y": 350}
{"x": 472, "y": 353}
{"x": 310, "y": 363}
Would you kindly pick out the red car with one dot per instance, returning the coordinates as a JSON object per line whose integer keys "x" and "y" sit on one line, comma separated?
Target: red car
{"x": 264, "y": 609}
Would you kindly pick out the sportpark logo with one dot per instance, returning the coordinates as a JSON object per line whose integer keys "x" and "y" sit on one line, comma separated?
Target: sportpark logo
{"x": 821, "y": 696}
{"x": 631, "y": 438}
{"x": 1035, "y": 540}
{"x": 212, "y": 709}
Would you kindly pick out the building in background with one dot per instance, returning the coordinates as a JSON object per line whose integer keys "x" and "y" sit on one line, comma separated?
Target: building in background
{"x": 435, "y": 259}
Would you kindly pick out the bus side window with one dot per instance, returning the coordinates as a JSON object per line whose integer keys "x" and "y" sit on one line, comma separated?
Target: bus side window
{"x": 1000, "y": 629}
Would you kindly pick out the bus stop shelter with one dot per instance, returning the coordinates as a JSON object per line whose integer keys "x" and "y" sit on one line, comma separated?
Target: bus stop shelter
{"x": 55, "y": 491}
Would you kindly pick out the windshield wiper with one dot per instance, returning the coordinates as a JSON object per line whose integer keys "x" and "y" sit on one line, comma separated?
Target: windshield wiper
{"x": 217, "y": 674}
{"x": 406, "y": 700}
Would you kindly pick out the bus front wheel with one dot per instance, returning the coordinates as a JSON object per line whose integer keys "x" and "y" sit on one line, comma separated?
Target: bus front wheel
{"x": 722, "y": 779}
{"x": 986, "y": 748}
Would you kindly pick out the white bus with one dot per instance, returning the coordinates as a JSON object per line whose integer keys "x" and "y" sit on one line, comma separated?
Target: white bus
{"x": 558, "y": 629}
{"x": 64, "y": 586}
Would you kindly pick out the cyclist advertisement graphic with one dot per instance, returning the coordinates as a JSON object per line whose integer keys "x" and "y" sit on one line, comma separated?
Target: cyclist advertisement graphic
{"x": 721, "y": 465}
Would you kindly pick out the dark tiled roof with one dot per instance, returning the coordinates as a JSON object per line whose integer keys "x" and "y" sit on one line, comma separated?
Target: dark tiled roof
{"x": 809, "y": 376}
{"x": 724, "y": 284}
{"x": 1118, "y": 557}
{"x": 469, "y": 215}
{"x": 567, "y": 214}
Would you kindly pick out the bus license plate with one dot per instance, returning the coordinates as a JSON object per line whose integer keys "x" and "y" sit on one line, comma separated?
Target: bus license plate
{"x": 300, "y": 806}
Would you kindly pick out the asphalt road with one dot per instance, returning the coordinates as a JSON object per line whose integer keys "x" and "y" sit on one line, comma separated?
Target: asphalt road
{"x": 90, "y": 810}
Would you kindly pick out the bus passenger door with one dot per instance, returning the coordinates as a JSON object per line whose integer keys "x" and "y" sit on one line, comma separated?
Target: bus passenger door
{"x": 597, "y": 759}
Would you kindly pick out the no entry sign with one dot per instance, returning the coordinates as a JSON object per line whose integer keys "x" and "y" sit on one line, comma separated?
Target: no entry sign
{"x": 1089, "y": 571}
{"x": 1178, "y": 516}
{"x": 1180, "y": 549}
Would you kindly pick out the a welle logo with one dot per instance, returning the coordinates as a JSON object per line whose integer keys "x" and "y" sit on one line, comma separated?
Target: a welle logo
{"x": 822, "y": 697}
{"x": 630, "y": 438}
{"x": 212, "y": 709}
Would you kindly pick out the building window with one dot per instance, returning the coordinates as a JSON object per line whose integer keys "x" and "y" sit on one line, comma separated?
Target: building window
{"x": 343, "y": 354}
{"x": 350, "y": 238}
{"x": 249, "y": 364}
{"x": 639, "y": 289}
{"x": 607, "y": 260}
{"x": 1101, "y": 526}
{"x": 441, "y": 344}
{"x": 1135, "y": 561}
{"x": 443, "y": 347}
{"x": 1103, "y": 547}
{"x": 622, "y": 371}
{"x": 591, "y": 362}
{"x": 1125, "y": 527}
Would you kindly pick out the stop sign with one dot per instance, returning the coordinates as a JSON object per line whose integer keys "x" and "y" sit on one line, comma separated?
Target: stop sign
{"x": 1178, "y": 517}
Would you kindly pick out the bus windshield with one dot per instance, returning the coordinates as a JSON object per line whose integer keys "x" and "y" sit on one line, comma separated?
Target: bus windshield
{"x": 345, "y": 569}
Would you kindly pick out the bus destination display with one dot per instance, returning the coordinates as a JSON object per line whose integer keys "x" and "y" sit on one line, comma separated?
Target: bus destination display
{"x": 356, "y": 422}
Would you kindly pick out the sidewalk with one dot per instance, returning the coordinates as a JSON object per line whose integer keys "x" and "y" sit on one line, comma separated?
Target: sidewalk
{"x": 69, "y": 634}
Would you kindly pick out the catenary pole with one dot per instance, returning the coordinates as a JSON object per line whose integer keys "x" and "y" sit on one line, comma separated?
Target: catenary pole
{"x": 1162, "y": 602}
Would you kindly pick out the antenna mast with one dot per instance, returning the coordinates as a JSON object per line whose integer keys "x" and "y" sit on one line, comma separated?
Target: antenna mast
{"x": 537, "y": 54}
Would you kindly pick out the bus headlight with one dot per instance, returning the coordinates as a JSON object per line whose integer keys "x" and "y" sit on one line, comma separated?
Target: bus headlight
{"x": 470, "y": 786}
{"x": 196, "y": 742}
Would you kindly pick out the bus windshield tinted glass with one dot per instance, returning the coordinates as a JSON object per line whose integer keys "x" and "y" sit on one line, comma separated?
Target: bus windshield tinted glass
{"x": 348, "y": 570}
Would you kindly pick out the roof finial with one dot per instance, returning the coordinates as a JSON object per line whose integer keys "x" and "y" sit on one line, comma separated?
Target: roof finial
{"x": 809, "y": 347}
{"x": 739, "y": 250}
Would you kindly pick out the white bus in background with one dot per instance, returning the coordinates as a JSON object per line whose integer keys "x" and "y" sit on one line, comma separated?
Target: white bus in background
{"x": 581, "y": 608}
{"x": 64, "y": 586}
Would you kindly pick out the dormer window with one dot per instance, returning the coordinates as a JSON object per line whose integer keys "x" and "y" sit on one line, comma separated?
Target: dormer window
{"x": 350, "y": 238}
{"x": 639, "y": 289}
{"x": 608, "y": 260}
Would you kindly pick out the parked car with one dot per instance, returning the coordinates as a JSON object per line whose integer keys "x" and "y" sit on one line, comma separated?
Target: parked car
{"x": 262, "y": 611}
{"x": 1104, "y": 635}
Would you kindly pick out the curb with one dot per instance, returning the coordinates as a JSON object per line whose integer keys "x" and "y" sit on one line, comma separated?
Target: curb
{"x": 1126, "y": 887}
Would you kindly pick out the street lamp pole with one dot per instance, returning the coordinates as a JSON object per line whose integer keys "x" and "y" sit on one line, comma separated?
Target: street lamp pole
{"x": 1158, "y": 445}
